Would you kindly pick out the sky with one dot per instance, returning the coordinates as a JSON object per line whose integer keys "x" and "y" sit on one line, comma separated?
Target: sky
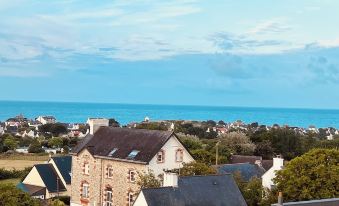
{"x": 258, "y": 53}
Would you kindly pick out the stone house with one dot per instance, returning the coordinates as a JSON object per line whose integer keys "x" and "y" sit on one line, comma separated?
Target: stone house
{"x": 106, "y": 164}
{"x": 269, "y": 175}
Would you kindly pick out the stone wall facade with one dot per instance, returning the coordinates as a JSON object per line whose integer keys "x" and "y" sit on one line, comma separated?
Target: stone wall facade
{"x": 99, "y": 181}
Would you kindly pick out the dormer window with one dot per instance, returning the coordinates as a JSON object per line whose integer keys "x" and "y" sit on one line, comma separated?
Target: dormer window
{"x": 112, "y": 152}
{"x": 133, "y": 154}
{"x": 161, "y": 156}
{"x": 179, "y": 155}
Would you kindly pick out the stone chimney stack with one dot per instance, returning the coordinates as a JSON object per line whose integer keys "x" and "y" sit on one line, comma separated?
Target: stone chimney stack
{"x": 170, "y": 179}
{"x": 96, "y": 123}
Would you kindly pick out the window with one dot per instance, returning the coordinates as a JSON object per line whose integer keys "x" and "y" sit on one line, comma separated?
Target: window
{"x": 133, "y": 154}
{"x": 161, "y": 156}
{"x": 112, "y": 152}
{"x": 109, "y": 197}
{"x": 85, "y": 188}
{"x": 179, "y": 155}
{"x": 131, "y": 176}
{"x": 109, "y": 171}
{"x": 86, "y": 168}
{"x": 130, "y": 199}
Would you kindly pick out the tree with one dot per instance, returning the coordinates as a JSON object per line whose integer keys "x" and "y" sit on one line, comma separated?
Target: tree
{"x": 55, "y": 142}
{"x": 238, "y": 143}
{"x": 196, "y": 168}
{"x": 252, "y": 190}
{"x": 148, "y": 180}
{"x": 35, "y": 147}
{"x": 314, "y": 175}
{"x": 11, "y": 196}
{"x": 10, "y": 142}
{"x": 53, "y": 128}
{"x": 112, "y": 122}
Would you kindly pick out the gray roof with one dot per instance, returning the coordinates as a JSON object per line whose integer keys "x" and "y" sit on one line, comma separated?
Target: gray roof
{"x": 125, "y": 140}
{"x": 64, "y": 165}
{"x": 321, "y": 202}
{"x": 212, "y": 190}
{"x": 50, "y": 177}
{"x": 246, "y": 170}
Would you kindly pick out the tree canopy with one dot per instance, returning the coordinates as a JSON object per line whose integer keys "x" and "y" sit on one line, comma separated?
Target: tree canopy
{"x": 314, "y": 175}
{"x": 11, "y": 196}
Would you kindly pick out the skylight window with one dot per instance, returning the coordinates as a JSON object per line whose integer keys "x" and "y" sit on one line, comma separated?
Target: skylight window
{"x": 133, "y": 154}
{"x": 112, "y": 152}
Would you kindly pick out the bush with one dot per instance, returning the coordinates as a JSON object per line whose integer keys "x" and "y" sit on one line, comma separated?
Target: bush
{"x": 9, "y": 174}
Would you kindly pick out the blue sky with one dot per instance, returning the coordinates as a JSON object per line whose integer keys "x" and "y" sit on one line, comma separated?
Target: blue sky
{"x": 259, "y": 53}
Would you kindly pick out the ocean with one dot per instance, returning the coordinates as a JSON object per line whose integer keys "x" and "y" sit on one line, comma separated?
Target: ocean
{"x": 126, "y": 113}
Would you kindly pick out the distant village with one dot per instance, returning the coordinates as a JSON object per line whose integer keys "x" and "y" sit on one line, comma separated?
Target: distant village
{"x": 169, "y": 162}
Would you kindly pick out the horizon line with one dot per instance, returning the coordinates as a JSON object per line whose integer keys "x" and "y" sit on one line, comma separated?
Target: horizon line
{"x": 155, "y": 104}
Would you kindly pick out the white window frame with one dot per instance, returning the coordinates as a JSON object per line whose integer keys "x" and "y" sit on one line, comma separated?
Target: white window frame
{"x": 132, "y": 173}
{"x": 86, "y": 169}
{"x": 109, "y": 203}
{"x": 130, "y": 199}
{"x": 161, "y": 154}
{"x": 179, "y": 155}
{"x": 85, "y": 188}
{"x": 109, "y": 168}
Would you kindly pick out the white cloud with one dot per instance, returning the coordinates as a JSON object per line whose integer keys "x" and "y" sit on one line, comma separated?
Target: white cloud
{"x": 270, "y": 26}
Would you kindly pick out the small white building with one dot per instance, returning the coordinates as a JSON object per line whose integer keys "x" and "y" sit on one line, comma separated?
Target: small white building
{"x": 22, "y": 150}
{"x": 96, "y": 123}
{"x": 46, "y": 119}
{"x": 267, "y": 177}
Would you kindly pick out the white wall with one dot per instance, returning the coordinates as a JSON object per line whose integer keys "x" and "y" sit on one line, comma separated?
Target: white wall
{"x": 33, "y": 178}
{"x": 140, "y": 201}
{"x": 267, "y": 178}
{"x": 169, "y": 148}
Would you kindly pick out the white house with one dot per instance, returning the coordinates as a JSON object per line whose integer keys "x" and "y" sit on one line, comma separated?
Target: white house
{"x": 46, "y": 119}
{"x": 267, "y": 177}
{"x": 48, "y": 180}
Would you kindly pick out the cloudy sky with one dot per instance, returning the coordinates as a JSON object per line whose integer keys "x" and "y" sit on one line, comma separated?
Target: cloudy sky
{"x": 259, "y": 53}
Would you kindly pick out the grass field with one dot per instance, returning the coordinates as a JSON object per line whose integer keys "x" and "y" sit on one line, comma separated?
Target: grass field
{"x": 10, "y": 181}
{"x": 17, "y": 164}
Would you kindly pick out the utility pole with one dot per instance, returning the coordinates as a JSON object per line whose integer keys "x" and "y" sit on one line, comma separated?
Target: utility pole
{"x": 217, "y": 153}
{"x": 57, "y": 186}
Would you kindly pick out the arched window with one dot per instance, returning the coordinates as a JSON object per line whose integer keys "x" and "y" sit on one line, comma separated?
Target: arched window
{"x": 161, "y": 156}
{"x": 108, "y": 196}
{"x": 179, "y": 155}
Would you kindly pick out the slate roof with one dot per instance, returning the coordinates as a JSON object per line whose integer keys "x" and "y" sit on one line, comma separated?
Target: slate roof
{"x": 64, "y": 165}
{"x": 212, "y": 190}
{"x": 32, "y": 189}
{"x": 125, "y": 140}
{"x": 50, "y": 177}
{"x": 322, "y": 202}
{"x": 267, "y": 164}
{"x": 244, "y": 159}
{"x": 246, "y": 170}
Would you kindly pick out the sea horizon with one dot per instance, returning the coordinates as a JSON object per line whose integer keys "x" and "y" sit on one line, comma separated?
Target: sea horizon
{"x": 77, "y": 112}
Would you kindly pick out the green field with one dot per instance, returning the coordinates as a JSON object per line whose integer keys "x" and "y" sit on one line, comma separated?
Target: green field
{"x": 10, "y": 181}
